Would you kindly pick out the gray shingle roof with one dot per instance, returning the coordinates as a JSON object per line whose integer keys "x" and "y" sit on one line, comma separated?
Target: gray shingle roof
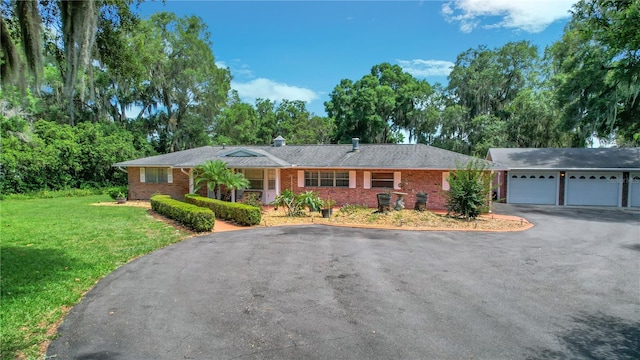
{"x": 568, "y": 158}
{"x": 387, "y": 156}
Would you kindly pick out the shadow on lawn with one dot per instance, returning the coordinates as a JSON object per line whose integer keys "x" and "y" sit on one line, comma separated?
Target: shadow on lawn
{"x": 596, "y": 336}
{"x": 26, "y": 270}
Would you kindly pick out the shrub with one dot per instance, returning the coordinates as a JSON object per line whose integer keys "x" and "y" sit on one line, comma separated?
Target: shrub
{"x": 240, "y": 213}
{"x": 251, "y": 199}
{"x": 469, "y": 190}
{"x": 295, "y": 204}
{"x": 194, "y": 217}
{"x": 117, "y": 191}
{"x": 51, "y": 194}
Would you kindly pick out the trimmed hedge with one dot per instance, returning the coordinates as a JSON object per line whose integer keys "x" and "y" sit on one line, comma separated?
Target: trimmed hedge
{"x": 196, "y": 218}
{"x": 240, "y": 213}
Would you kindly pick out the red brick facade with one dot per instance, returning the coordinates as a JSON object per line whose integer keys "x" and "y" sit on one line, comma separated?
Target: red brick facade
{"x": 143, "y": 191}
{"x": 429, "y": 181}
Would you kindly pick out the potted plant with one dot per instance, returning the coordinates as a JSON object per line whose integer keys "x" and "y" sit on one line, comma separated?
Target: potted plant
{"x": 121, "y": 198}
{"x": 421, "y": 201}
{"x": 327, "y": 208}
{"x": 384, "y": 201}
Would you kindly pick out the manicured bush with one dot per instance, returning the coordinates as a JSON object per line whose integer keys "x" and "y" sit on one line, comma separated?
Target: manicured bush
{"x": 194, "y": 217}
{"x": 240, "y": 213}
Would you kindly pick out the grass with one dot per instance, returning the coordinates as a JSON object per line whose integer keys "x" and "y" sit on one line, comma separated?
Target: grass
{"x": 53, "y": 251}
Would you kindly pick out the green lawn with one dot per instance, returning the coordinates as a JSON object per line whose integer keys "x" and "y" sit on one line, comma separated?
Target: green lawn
{"x": 53, "y": 251}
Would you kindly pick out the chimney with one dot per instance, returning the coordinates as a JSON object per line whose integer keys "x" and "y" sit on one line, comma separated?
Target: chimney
{"x": 279, "y": 141}
{"x": 356, "y": 144}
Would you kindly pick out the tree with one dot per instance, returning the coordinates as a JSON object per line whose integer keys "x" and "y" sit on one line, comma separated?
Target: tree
{"x": 377, "y": 107}
{"x": 597, "y": 70}
{"x": 214, "y": 173}
{"x": 184, "y": 86}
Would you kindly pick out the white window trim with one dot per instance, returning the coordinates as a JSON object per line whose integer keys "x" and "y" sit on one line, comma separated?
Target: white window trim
{"x": 445, "y": 181}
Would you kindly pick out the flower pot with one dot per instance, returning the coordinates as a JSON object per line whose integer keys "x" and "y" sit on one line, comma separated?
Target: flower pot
{"x": 384, "y": 199}
{"x": 121, "y": 200}
{"x": 422, "y": 198}
{"x": 326, "y": 213}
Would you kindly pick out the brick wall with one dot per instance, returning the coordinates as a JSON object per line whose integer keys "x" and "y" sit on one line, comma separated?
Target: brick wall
{"x": 143, "y": 191}
{"x": 429, "y": 181}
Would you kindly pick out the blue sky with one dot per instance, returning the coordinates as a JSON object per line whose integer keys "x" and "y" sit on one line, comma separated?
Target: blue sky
{"x": 300, "y": 50}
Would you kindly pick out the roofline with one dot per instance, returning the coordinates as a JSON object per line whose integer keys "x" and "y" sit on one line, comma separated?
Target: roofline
{"x": 571, "y": 169}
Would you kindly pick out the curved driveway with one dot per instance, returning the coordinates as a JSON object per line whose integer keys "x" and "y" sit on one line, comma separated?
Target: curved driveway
{"x": 568, "y": 288}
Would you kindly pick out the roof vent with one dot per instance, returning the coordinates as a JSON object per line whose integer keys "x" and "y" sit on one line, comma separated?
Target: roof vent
{"x": 278, "y": 142}
{"x": 356, "y": 144}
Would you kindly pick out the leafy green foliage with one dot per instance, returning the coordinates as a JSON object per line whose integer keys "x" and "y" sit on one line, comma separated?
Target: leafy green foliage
{"x": 118, "y": 192}
{"x": 242, "y": 214}
{"x": 214, "y": 174}
{"x": 46, "y": 155}
{"x": 53, "y": 251}
{"x": 295, "y": 203}
{"x": 376, "y": 107}
{"x": 194, "y": 217}
{"x": 470, "y": 189}
{"x": 597, "y": 70}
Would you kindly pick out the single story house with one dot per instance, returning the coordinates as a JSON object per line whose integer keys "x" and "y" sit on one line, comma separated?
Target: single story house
{"x": 349, "y": 174}
{"x": 569, "y": 176}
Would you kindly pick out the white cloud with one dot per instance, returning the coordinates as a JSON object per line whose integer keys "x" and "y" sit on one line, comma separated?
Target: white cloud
{"x": 237, "y": 68}
{"x": 529, "y": 15}
{"x": 269, "y": 89}
{"x": 425, "y": 68}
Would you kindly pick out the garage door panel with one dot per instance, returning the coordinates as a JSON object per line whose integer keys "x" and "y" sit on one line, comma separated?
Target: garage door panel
{"x": 593, "y": 188}
{"x": 532, "y": 188}
{"x": 634, "y": 190}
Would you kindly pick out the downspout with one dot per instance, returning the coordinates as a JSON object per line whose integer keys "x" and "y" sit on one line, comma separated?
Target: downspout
{"x": 190, "y": 174}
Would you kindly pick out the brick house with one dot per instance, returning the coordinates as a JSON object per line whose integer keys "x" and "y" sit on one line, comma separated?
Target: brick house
{"x": 349, "y": 174}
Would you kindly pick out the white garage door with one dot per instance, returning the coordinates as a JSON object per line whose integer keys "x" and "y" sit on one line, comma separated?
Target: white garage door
{"x": 593, "y": 188}
{"x": 532, "y": 187}
{"x": 634, "y": 190}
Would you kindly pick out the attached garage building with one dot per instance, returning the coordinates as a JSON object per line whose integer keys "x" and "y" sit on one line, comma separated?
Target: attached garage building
{"x": 570, "y": 176}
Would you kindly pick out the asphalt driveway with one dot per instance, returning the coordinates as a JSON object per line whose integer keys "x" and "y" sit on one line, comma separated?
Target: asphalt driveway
{"x": 568, "y": 288}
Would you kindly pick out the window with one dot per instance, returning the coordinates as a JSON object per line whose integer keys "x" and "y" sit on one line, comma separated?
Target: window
{"x": 156, "y": 175}
{"x": 271, "y": 178}
{"x": 255, "y": 177}
{"x": 382, "y": 180}
{"x": 326, "y": 178}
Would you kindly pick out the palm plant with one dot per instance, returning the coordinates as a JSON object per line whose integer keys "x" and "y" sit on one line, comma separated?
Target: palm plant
{"x": 215, "y": 173}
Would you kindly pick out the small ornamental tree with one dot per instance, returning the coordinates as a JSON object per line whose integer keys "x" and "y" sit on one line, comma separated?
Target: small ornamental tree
{"x": 215, "y": 173}
{"x": 469, "y": 189}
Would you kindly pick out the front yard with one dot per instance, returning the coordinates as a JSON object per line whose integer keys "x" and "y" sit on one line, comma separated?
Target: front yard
{"x": 53, "y": 251}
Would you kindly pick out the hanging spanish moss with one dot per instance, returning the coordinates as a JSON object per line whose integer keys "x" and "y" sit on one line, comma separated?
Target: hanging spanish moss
{"x": 31, "y": 31}
{"x": 10, "y": 64}
{"x": 79, "y": 21}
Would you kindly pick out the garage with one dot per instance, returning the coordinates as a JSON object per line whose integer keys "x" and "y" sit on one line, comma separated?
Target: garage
{"x": 593, "y": 188}
{"x": 532, "y": 187}
{"x": 634, "y": 190}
